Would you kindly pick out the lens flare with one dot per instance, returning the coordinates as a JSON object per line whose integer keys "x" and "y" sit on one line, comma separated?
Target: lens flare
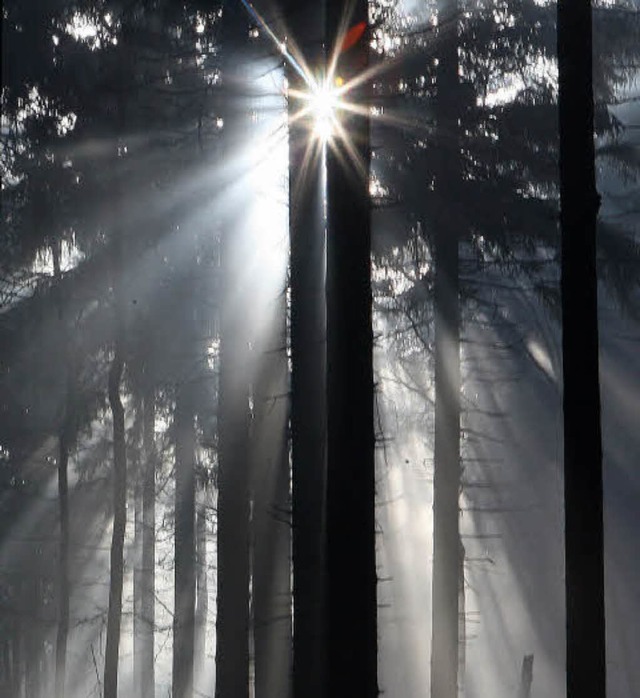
{"x": 324, "y": 102}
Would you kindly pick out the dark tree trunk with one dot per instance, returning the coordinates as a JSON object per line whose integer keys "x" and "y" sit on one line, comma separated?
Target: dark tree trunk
{"x": 63, "y": 564}
{"x": 351, "y": 555}
{"x": 232, "y": 625}
{"x": 146, "y": 657}
{"x": 308, "y": 362}
{"x": 185, "y": 579}
{"x": 579, "y": 204}
{"x": 272, "y": 533}
{"x": 526, "y": 677}
{"x": 114, "y": 615}
{"x": 62, "y": 630}
{"x": 446, "y": 484}
{"x": 117, "y": 271}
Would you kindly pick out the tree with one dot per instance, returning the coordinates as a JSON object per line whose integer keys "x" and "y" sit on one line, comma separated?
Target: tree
{"x": 579, "y": 205}
{"x": 351, "y": 606}
{"x": 446, "y": 481}
{"x": 308, "y": 365}
{"x": 119, "y": 491}
{"x": 185, "y": 572}
{"x": 147, "y": 573}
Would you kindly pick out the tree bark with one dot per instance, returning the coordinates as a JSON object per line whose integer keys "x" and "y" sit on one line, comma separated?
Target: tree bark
{"x": 185, "y": 580}
{"x": 272, "y": 539}
{"x": 233, "y": 544}
{"x": 202, "y": 590}
{"x": 350, "y": 555}
{"x": 63, "y": 564}
{"x": 114, "y": 615}
{"x": 446, "y": 484}
{"x": 232, "y": 625}
{"x": 147, "y": 577}
{"x": 62, "y": 630}
{"x": 526, "y": 677}
{"x": 138, "y": 622}
{"x": 583, "y": 489}
{"x": 308, "y": 366}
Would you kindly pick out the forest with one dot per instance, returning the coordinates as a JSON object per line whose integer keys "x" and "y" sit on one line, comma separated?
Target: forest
{"x": 319, "y": 368}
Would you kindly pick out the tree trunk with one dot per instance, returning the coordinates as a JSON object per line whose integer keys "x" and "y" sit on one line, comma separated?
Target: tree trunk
{"x": 146, "y": 657}
{"x": 62, "y": 630}
{"x": 202, "y": 591}
{"x": 308, "y": 366}
{"x": 462, "y": 621}
{"x": 351, "y": 556}
{"x": 579, "y": 205}
{"x": 272, "y": 539}
{"x": 63, "y": 564}
{"x": 232, "y": 625}
{"x": 185, "y": 580}
{"x": 119, "y": 519}
{"x": 233, "y": 544}
{"x": 446, "y": 484}
{"x": 526, "y": 678}
{"x": 138, "y": 621}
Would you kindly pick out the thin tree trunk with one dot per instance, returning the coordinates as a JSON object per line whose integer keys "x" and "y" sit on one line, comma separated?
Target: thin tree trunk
{"x": 202, "y": 591}
{"x": 579, "y": 205}
{"x": 114, "y": 616}
{"x": 138, "y": 527}
{"x": 272, "y": 533}
{"x": 462, "y": 621}
{"x": 351, "y": 556}
{"x": 185, "y": 580}
{"x": 147, "y": 578}
{"x": 63, "y": 565}
{"x": 62, "y": 630}
{"x": 446, "y": 485}
{"x": 526, "y": 678}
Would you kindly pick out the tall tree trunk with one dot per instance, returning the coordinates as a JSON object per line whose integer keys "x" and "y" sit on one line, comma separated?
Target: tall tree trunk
{"x": 138, "y": 621}
{"x": 308, "y": 366}
{"x": 272, "y": 540}
{"x": 579, "y": 205}
{"x": 202, "y": 590}
{"x": 116, "y": 567}
{"x": 139, "y": 464}
{"x": 114, "y": 615}
{"x": 62, "y": 630}
{"x": 146, "y": 657}
{"x": 351, "y": 555}
{"x": 232, "y": 625}
{"x": 185, "y": 580}
{"x": 446, "y": 485}
{"x": 63, "y": 564}
{"x": 462, "y": 621}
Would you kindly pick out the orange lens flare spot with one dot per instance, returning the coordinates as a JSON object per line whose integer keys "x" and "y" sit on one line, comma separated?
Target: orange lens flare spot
{"x": 339, "y": 81}
{"x": 352, "y": 37}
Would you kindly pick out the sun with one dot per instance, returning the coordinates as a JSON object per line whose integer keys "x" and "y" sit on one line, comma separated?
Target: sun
{"x": 324, "y": 103}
